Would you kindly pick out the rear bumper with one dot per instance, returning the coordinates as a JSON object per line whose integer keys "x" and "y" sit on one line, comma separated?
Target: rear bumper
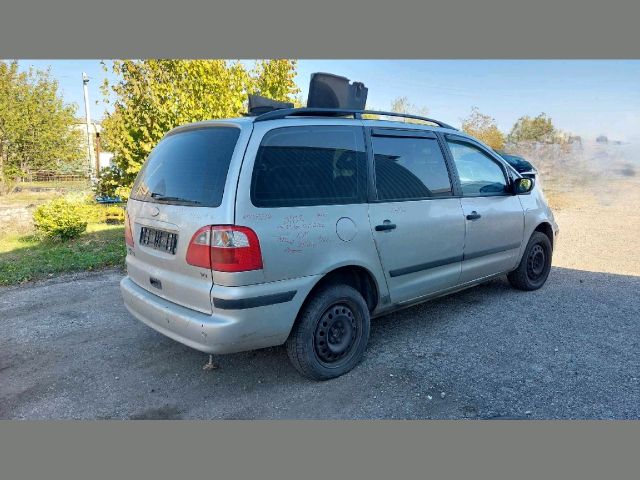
{"x": 244, "y": 318}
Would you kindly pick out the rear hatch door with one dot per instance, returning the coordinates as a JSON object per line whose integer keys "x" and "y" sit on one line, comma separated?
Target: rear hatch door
{"x": 178, "y": 191}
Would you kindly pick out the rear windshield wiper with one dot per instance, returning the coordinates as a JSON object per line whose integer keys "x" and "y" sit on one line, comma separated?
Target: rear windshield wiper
{"x": 168, "y": 198}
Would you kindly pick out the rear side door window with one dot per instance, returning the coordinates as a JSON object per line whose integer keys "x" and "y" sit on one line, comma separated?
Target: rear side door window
{"x": 409, "y": 168}
{"x": 480, "y": 175}
{"x": 310, "y": 165}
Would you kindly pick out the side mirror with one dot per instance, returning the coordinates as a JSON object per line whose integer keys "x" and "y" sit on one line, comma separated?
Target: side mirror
{"x": 522, "y": 185}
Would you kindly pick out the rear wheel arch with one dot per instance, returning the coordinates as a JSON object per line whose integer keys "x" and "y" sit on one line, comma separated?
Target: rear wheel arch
{"x": 355, "y": 276}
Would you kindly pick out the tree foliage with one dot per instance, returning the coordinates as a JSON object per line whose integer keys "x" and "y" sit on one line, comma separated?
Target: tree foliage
{"x": 536, "y": 129}
{"x": 151, "y": 97}
{"x": 484, "y": 128}
{"x": 275, "y": 79}
{"x": 36, "y": 126}
{"x": 403, "y": 105}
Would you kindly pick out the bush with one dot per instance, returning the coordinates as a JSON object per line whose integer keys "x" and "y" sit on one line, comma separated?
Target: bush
{"x": 113, "y": 214}
{"x": 60, "y": 218}
{"x": 93, "y": 213}
{"x": 96, "y": 213}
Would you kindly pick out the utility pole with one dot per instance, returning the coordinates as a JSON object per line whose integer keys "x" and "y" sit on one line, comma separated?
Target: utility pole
{"x": 85, "y": 82}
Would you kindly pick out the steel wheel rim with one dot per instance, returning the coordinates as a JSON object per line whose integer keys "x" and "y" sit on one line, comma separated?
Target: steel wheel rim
{"x": 536, "y": 262}
{"x": 336, "y": 334}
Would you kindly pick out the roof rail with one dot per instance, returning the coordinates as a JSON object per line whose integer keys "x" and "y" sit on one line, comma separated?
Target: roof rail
{"x": 357, "y": 114}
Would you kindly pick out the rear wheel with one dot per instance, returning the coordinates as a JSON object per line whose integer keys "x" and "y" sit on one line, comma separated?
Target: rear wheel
{"x": 535, "y": 265}
{"x": 331, "y": 333}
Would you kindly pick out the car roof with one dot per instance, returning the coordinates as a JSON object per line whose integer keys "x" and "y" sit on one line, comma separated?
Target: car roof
{"x": 245, "y": 121}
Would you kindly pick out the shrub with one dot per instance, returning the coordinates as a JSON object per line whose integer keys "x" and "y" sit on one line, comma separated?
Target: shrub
{"x": 60, "y": 218}
{"x": 92, "y": 212}
{"x": 96, "y": 213}
{"x": 113, "y": 214}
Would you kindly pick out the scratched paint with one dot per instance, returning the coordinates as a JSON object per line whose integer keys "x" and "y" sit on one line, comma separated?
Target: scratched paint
{"x": 259, "y": 217}
{"x": 297, "y": 234}
{"x": 297, "y": 222}
{"x": 398, "y": 209}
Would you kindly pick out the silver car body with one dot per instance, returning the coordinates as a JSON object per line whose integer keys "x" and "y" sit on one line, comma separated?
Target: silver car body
{"x": 433, "y": 251}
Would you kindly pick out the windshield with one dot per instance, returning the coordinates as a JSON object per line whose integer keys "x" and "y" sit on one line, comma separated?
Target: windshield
{"x": 188, "y": 168}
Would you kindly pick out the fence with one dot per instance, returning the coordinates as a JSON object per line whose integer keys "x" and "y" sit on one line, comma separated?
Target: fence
{"x": 51, "y": 176}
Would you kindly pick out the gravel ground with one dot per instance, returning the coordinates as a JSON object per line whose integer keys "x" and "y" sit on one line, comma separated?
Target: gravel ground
{"x": 69, "y": 349}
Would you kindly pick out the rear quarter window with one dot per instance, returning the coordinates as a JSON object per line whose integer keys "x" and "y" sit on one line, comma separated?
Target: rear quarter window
{"x": 188, "y": 168}
{"x": 310, "y": 165}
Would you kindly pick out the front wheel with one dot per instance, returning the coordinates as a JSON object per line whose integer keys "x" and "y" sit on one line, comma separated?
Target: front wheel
{"x": 535, "y": 265}
{"x": 330, "y": 334}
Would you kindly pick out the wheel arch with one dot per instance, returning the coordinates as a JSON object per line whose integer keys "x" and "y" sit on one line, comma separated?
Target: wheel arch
{"x": 356, "y": 276}
{"x": 547, "y": 229}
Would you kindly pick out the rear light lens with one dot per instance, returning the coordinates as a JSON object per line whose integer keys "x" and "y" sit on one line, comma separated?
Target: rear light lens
{"x": 225, "y": 248}
{"x": 199, "y": 251}
{"x": 128, "y": 233}
{"x": 235, "y": 249}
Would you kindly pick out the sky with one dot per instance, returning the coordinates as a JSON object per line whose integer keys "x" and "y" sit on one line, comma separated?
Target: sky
{"x": 583, "y": 97}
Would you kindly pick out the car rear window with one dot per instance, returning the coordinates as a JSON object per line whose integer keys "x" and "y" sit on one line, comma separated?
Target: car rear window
{"x": 311, "y": 165}
{"x": 188, "y": 168}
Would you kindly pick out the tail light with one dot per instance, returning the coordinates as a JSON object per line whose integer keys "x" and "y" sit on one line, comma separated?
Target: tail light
{"x": 128, "y": 234}
{"x": 225, "y": 248}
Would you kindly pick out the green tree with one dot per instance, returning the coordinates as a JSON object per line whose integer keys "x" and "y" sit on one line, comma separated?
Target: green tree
{"x": 537, "y": 129}
{"x": 275, "y": 79}
{"x": 484, "y": 128}
{"x": 151, "y": 97}
{"x": 402, "y": 105}
{"x": 36, "y": 126}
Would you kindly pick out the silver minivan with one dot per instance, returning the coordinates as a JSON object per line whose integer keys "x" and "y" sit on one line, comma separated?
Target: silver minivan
{"x": 298, "y": 226}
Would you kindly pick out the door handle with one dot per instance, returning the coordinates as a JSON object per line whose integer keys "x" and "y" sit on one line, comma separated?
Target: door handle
{"x": 473, "y": 216}
{"x": 386, "y": 225}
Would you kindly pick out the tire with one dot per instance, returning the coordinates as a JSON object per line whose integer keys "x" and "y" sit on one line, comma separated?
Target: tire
{"x": 331, "y": 333}
{"x": 535, "y": 265}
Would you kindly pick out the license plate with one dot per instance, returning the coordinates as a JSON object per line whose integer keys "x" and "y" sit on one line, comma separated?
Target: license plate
{"x": 159, "y": 239}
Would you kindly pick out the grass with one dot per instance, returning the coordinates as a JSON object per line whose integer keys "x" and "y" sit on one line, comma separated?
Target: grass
{"x": 26, "y": 257}
{"x": 56, "y": 184}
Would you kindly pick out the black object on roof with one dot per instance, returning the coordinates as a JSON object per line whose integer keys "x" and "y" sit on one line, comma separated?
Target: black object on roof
{"x": 259, "y": 105}
{"x": 329, "y": 96}
{"x": 327, "y": 90}
{"x": 341, "y": 112}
